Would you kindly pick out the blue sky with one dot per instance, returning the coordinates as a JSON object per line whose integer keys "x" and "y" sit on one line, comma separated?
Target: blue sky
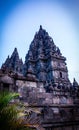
{"x": 20, "y": 19}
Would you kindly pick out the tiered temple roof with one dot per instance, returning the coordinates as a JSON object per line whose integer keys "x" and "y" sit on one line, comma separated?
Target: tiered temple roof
{"x": 45, "y": 61}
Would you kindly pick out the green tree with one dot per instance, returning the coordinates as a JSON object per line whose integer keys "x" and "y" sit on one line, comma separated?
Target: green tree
{"x": 11, "y": 114}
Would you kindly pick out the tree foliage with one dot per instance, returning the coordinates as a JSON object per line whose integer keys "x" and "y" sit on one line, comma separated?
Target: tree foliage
{"x": 11, "y": 113}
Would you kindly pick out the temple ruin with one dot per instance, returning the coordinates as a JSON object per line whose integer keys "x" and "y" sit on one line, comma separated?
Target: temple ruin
{"x": 43, "y": 82}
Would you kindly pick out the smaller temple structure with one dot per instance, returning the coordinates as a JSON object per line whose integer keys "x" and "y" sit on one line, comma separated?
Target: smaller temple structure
{"x": 13, "y": 63}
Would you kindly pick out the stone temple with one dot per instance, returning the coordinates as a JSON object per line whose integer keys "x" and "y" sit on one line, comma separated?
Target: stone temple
{"x": 43, "y": 82}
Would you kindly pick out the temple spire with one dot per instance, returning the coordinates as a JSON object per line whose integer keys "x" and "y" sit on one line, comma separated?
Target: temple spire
{"x": 14, "y": 63}
{"x": 46, "y": 61}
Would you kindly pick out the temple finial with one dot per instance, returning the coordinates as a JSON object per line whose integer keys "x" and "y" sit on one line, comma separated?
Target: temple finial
{"x": 40, "y": 27}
